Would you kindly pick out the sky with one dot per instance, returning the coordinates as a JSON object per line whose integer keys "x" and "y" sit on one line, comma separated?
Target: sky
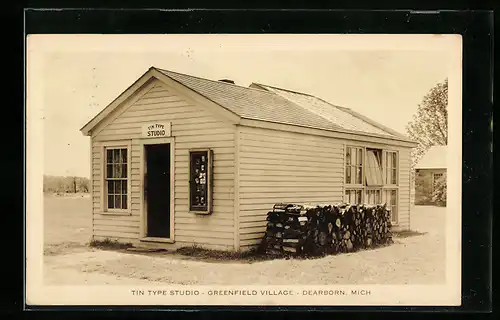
{"x": 383, "y": 80}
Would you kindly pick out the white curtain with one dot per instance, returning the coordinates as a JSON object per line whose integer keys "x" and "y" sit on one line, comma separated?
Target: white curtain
{"x": 373, "y": 169}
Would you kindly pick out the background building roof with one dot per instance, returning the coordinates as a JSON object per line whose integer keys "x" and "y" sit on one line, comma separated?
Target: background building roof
{"x": 434, "y": 158}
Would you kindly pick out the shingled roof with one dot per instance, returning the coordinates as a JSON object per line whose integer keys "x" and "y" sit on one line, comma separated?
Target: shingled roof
{"x": 262, "y": 103}
{"x": 434, "y": 158}
{"x": 267, "y": 103}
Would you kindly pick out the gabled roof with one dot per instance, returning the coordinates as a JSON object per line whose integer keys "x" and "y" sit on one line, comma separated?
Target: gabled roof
{"x": 271, "y": 104}
{"x": 434, "y": 158}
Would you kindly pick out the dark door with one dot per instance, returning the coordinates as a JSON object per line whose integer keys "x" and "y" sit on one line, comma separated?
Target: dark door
{"x": 157, "y": 190}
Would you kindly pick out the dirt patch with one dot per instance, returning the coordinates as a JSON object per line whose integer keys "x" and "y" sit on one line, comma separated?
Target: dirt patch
{"x": 64, "y": 248}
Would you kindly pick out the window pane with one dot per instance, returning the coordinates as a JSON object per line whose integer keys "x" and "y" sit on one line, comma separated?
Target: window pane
{"x": 358, "y": 196}
{"x": 110, "y": 187}
{"x": 393, "y": 177}
{"x": 116, "y": 155}
{"x": 109, "y": 171}
{"x": 124, "y": 202}
{"x": 109, "y": 156}
{"x": 118, "y": 202}
{"x": 359, "y": 178}
{"x": 360, "y": 157}
{"x": 348, "y": 174}
{"x": 118, "y": 186}
{"x": 124, "y": 156}
{"x": 348, "y": 156}
{"x": 111, "y": 202}
{"x": 394, "y": 160}
{"x": 117, "y": 171}
{"x": 114, "y": 171}
{"x": 393, "y": 197}
{"x": 123, "y": 171}
{"x": 124, "y": 186}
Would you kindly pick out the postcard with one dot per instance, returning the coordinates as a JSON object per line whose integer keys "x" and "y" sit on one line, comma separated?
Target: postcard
{"x": 255, "y": 170}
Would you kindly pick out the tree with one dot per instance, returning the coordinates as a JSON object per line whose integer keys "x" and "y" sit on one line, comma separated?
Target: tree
{"x": 429, "y": 126}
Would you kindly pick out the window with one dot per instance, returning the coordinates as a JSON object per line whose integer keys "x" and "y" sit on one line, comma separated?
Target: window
{"x": 391, "y": 165}
{"x": 116, "y": 178}
{"x": 391, "y": 199}
{"x": 353, "y": 196}
{"x": 373, "y": 170}
{"x": 435, "y": 179}
{"x": 354, "y": 166}
{"x": 200, "y": 181}
{"x": 373, "y": 196}
{"x": 371, "y": 177}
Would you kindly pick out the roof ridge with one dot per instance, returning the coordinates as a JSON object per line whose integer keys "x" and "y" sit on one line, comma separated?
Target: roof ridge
{"x": 371, "y": 122}
{"x": 345, "y": 109}
{"x": 216, "y": 81}
{"x": 298, "y": 92}
{"x": 259, "y": 90}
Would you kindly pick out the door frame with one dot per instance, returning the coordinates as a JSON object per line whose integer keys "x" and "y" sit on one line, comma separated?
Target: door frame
{"x": 143, "y": 205}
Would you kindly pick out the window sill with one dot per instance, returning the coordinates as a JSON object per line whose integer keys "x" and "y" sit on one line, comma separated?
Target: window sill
{"x": 117, "y": 213}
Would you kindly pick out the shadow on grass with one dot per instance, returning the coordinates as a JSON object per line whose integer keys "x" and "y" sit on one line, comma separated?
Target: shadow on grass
{"x": 407, "y": 234}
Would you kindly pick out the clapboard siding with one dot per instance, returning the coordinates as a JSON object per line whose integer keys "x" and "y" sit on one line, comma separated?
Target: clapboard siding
{"x": 404, "y": 189}
{"x": 278, "y": 166}
{"x": 192, "y": 127}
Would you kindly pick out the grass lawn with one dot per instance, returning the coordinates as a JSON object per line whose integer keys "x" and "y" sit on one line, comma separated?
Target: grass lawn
{"x": 67, "y": 222}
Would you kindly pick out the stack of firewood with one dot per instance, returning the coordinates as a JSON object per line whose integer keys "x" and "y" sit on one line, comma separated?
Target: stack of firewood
{"x": 325, "y": 229}
{"x": 286, "y": 229}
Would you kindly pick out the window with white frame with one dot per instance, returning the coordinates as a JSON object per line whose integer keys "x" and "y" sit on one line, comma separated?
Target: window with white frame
{"x": 116, "y": 178}
{"x": 373, "y": 172}
{"x": 371, "y": 177}
{"x": 391, "y": 200}
{"x": 354, "y": 166}
{"x": 373, "y": 196}
{"x": 391, "y": 168}
{"x": 436, "y": 177}
{"x": 353, "y": 196}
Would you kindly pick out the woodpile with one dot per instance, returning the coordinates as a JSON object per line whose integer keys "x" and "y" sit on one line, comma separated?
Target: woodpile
{"x": 325, "y": 229}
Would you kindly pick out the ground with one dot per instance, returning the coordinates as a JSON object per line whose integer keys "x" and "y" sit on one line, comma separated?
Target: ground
{"x": 416, "y": 259}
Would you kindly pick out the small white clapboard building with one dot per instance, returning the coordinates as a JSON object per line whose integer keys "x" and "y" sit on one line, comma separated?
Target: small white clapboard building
{"x": 179, "y": 160}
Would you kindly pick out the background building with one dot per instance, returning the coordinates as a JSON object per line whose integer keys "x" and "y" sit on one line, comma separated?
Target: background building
{"x": 430, "y": 171}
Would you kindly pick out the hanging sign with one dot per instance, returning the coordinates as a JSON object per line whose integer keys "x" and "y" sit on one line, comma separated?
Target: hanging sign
{"x": 156, "y": 130}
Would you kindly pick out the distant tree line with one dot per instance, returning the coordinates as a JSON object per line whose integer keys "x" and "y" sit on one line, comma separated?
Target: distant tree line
{"x": 70, "y": 184}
